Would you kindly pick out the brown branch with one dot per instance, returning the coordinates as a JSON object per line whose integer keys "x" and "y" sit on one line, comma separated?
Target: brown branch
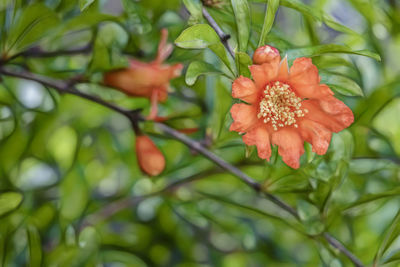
{"x": 134, "y": 116}
{"x": 336, "y": 244}
{"x": 222, "y": 36}
{"x": 40, "y": 53}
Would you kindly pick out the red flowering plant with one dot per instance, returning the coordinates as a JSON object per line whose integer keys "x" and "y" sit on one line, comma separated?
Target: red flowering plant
{"x": 285, "y": 107}
{"x": 74, "y": 168}
{"x": 147, "y": 79}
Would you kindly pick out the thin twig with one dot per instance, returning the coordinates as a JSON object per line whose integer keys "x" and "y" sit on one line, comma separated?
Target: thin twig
{"x": 133, "y": 116}
{"x": 40, "y": 53}
{"x": 223, "y": 36}
{"x": 336, "y": 244}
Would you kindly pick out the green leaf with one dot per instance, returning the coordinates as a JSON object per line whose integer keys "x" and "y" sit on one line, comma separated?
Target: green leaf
{"x": 268, "y": 20}
{"x": 243, "y": 61}
{"x": 387, "y": 123}
{"x": 84, "y": 20}
{"x": 89, "y": 238}
{"x": 309, "y": 214}
{"x": 313, "y": 13}
{"x": 198, "y": 36}
{"x": 393, "y": 257}
{"x": 251, "y": 209}
{"x": 107, "y": 55}
{"x": 112, "y": 256}
{"x": 197, "y": 68}
{"x": 32, "y": 25}
{"x": 84, "y": 4}
{"x": 341, "y": 84}
{"x": 195, "y": 9}
{"x": 318, "y": 50}
{"x": 303, "y": 8}
{"x": 241, "y": 10}
{"x": 372, "y": 197}
{"x": 331, "y": 61}
{"x": 337, "y": 26}
{"x": 74, "y": 196}
{"x": 202, "y": 36}
{"x": 392, "y": 233}
{"x": 137, "y": 22}
{"x": 9, "y": 201}
{"x": 306, "y": 210}
{"x": 35, "y": 247}
{"x": 62, "y": 146}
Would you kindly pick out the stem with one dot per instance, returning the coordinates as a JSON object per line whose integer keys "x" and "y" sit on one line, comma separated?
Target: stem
{"x": 336, "y": 244}
{"x": 39, "y": 53}
{"x": 134, "y": 116}
{"x": 223, "y": 36}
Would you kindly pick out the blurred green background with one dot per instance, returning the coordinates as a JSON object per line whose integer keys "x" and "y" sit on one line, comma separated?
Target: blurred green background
{"x": 65, "y": 160}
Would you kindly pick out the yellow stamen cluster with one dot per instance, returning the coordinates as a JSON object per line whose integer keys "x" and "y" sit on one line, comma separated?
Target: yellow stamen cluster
{"x": 280, "y": 106}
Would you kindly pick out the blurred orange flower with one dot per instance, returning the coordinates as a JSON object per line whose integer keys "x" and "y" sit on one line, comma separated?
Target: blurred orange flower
{"x": 147, "y": 79}
{"x": 286, "y": 108}
{"x": 150, "y": 158}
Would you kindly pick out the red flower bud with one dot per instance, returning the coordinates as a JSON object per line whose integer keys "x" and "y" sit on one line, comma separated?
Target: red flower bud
{"x": 150, "y": 158}
{"x": 266, "y": 54}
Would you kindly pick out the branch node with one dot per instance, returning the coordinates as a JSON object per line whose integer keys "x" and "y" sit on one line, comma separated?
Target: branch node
{"x": 225, "y": 37}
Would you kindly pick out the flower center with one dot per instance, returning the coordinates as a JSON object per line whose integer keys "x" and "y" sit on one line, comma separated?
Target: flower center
{"x": 280, "y": 106}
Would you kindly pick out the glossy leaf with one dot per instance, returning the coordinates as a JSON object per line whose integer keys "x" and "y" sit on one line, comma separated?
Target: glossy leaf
{"x": 74, "y": 196}
{"x": 31, "y": 26}
{"x": 341, "y": 84}
{"x": 309, "y": 214}
{"x": 391, "y": 234}
{"x": 202, "y": 36}
{"x": 84, "y": 4}
{"x": 306, "y": 210}
{"x": 137, "y": 23}
{"x": 272, "y": 8}
{"x": 243, "y": 61}
{"x": 198, "y": 68}
{"x": 198, "y": 36}
{"x": 313, "y": 13}
{"x": 313, "y": 51}
{"x": 107, "y": 48}
{"x": 241, "y": 10}
{"x": 195, "y": 9}
{"x": 386, "y": 122}
{"x": 113, "y": 256}
{"x": 372, "y": 197}
{"x": 35, "y": 246}
{"x": 9, "y": 201}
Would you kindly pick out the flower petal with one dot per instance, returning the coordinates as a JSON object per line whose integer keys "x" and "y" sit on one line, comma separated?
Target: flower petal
{"x": 259, "y": 137}
{"x": 290, "y": 146}
{"x": 315, "y": 134}
{"x": 266, "y": 54}
{"x": 330, "y": 112}
{"x": 244, "y": 89}
{"x": 312, "y": 90}
{"x": 265, "y": 73}
{"x": 175, "y": 71}
{"x": 244, "y": 117}
{"x": 164, "y": 49}
{"x": 283, "y": 72}
{"x": 303, "y": 72}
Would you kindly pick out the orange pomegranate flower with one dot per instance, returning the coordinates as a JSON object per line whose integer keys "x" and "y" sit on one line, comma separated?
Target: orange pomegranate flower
{"x": 150, "y": 158}
{"x": 145, "y": 79}
{"x": 286, "y": 107}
